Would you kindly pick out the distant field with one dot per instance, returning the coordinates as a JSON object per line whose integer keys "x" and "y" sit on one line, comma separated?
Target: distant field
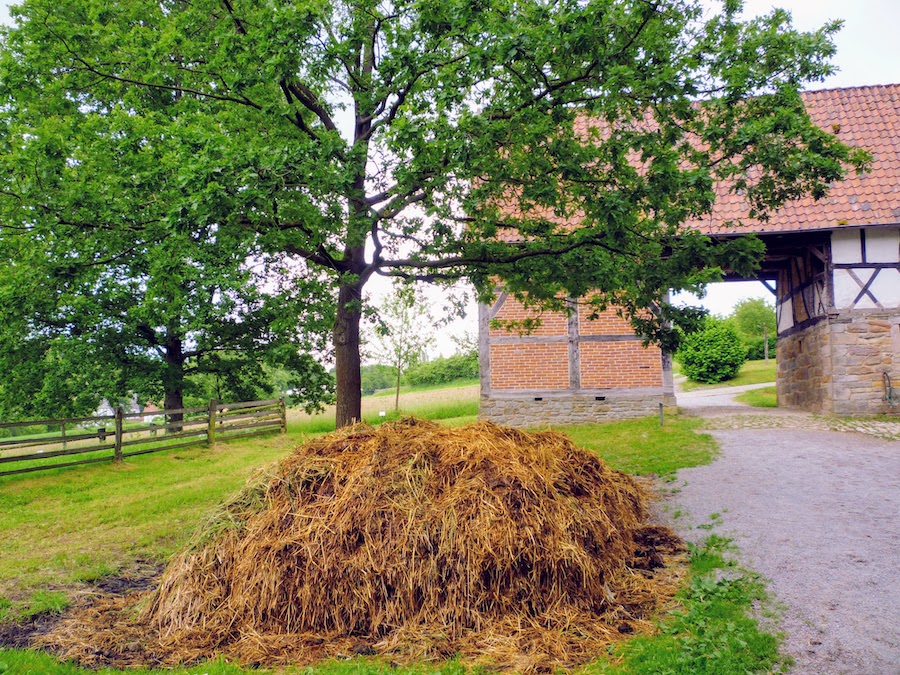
{"x": 448, "y": 403}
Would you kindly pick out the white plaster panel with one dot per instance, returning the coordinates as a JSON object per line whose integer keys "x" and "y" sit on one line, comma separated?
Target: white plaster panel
{"x": 845, "y": 247}
{"x": 865, "y": 302}
{"x": 785, "y": 315}
{"x": 886, "y": 288}
{"x": 845, "y": 287}
{"x": 883, "y": 245}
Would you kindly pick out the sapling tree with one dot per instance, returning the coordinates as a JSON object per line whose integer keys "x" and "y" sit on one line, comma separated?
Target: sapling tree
{"x": 555, "y": 148}
{"x": 404, "y": 331}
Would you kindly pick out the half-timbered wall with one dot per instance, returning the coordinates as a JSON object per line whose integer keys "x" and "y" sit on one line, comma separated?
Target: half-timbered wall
{"x": 839, "y": 323}
{"x": 568, "y": 370}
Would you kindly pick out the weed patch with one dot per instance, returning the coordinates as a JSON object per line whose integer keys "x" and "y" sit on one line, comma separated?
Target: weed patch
{"x": 713, "y": 632}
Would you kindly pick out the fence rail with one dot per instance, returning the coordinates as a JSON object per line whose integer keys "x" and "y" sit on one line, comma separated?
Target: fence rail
{"x": 28, "y": 446}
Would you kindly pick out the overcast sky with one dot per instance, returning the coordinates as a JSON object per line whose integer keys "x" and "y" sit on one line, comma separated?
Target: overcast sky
{"x": 868, "y": 52}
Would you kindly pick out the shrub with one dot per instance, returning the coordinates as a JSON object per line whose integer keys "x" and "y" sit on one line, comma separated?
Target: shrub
{"x": 712, "y": 354}
{"x": 444, "y": 369}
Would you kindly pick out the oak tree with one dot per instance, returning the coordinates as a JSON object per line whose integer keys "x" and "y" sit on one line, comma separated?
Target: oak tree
{"x": 557, "y": 148}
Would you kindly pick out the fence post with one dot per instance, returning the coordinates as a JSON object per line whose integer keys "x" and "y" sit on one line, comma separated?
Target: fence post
{"x": 283, "y": 415}
{"x": 62, "y": 430}
{"x": 120, "y": 412}
{"x": 211, "y": 427}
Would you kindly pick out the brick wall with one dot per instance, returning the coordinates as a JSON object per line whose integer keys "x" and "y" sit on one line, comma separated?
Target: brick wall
{"x": 606, "y": 323}
{"x": 552, "y": 323}
{"x": 568, "y": 370}
{"x": 620, "y": 364}
{"x": 530, "y": 366}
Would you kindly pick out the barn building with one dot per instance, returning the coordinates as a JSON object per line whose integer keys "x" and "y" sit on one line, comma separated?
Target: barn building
{"x": 833, "y": 265}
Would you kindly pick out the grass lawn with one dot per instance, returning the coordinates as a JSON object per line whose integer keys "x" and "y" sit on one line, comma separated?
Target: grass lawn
{"x": 759, "y": 398}
{"x": 752, "y": 372}
{"x": 63, "y": 528}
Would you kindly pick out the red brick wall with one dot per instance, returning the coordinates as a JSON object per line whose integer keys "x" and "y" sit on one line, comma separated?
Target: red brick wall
{"x": 530, "y": 366}
{"x": 620, "y": 364}
{"x": 607, "y": 323}
{"x": 545, "y": 365}
{"x": 552, "y": 323}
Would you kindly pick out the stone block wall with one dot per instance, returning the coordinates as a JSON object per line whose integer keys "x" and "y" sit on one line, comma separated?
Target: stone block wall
{"x": 804, "y": 369}
{"x": 864, "y": 346}
{"x": 836, "y": 365}
{"x": 531, "y": 411}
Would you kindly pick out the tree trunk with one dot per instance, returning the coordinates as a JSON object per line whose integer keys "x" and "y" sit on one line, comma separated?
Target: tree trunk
{"x": 397, "y": 394}
{"x": 173, "y": 384}
{"x": 766, "y": 343}
{"x": 346, "y": 355}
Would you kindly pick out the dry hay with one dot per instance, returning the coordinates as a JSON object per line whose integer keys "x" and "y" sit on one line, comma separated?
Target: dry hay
{"x": 410, "y": 540}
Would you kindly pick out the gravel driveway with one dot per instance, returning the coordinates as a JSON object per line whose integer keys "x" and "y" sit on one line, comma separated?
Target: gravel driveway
{"x": 818, "y": 514}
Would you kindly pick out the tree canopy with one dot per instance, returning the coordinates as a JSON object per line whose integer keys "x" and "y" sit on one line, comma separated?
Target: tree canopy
{"x": 556, "y": 148}
{"x": 754, "y": 317}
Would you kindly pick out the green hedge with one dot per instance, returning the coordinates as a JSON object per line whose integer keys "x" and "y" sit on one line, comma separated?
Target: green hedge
{"x": 443, "y": 370}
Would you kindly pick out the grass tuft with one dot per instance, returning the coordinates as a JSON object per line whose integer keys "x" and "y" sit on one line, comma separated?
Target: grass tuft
{"x": 759, "y": 398}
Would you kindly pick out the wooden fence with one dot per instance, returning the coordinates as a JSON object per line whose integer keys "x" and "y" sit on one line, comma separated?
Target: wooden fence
{"x": 40, "y": 445}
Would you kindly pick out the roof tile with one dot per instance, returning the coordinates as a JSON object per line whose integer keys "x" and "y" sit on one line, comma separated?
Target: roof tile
{"x": 868, "y": 117}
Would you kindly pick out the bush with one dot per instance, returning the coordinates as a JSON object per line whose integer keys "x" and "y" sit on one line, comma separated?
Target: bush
{"x": 444, "y": 369}
{"x": 755, "y": 351}
{"x": 713, "y": 354}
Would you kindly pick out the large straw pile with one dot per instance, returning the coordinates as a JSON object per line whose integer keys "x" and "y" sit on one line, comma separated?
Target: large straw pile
{"x": 412, "y": 540}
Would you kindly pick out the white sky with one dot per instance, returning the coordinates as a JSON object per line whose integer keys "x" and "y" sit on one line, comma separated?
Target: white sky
{"x": 868, "y": 52}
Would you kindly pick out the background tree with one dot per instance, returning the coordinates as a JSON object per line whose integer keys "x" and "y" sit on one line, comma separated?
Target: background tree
{"x": 106, "y": 293}
{"x": 755, "y": 320}
{"x": 403, "y": 333}
{"x": 557, "y": 148}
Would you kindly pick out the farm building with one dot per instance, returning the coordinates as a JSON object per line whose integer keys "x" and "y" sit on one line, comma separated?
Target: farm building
{"x": 833, "y": 265}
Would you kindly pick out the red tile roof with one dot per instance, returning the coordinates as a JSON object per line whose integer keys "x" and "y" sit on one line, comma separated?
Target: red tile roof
{"x": 866, "y": 117}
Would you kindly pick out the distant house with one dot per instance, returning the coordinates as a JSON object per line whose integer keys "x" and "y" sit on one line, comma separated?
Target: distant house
{"x": 833, "y": 265}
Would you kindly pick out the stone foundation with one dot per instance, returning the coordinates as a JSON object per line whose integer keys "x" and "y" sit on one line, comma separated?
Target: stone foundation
{"x": 804, "y": 369}
{"x": 526, "y": 411}
{"x": 836, "y": 365}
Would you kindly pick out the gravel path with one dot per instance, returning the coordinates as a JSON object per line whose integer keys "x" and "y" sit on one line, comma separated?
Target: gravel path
{"x": 818, "y": 514}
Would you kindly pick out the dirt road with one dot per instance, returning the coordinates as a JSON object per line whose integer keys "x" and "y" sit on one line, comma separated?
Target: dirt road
{"x": 818, "y": 514}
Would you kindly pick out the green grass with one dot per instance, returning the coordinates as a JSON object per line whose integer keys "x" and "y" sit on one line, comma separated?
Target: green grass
{"x": 20, "y": 662}
{"x": 759, "y": 398}
{"x": 65, "y": 527}
{"x": 643, "y": 447}
{"x": 752, "y": 372}
{"x": 458, "y": 400}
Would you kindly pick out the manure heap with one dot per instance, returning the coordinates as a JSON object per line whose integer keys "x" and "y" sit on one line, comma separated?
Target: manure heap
{"x": 409, "y": 540}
